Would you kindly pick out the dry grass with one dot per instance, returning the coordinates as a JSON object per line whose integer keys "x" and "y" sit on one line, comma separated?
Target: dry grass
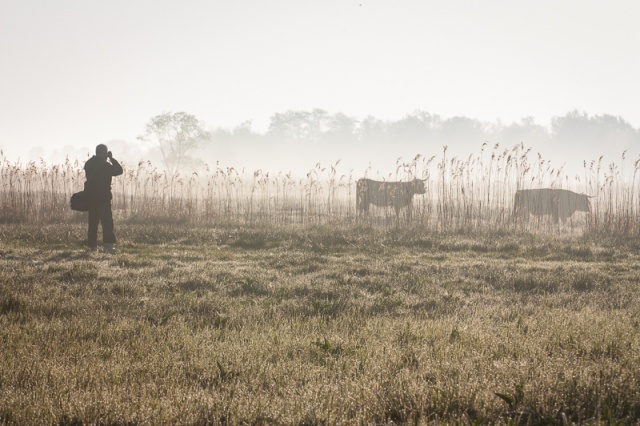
{"x": 316, "y": 325}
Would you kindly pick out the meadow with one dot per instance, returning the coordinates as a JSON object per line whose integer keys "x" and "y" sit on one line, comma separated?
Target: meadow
{"x": 264, "y": 299}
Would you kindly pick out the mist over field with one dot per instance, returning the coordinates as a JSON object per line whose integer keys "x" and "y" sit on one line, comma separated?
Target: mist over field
{"x": 282, "y": 86}
{"x": 297, "y": 141}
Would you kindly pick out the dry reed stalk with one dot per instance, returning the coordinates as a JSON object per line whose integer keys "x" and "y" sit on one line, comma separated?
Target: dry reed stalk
{"x": 473, "y": 193}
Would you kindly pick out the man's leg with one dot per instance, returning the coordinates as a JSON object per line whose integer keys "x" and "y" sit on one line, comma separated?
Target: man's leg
{"x": 108, "y": 233}
{"x": 92, "y": 234}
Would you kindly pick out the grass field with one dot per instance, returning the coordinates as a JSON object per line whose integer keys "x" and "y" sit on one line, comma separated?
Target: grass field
{"x": 310, "y": 325}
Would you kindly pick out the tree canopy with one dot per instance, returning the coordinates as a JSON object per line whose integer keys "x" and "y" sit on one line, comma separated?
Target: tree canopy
{"x": 177, "y": 135}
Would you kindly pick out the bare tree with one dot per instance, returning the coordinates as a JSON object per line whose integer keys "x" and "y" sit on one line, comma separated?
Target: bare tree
{"x": 177, "y": 135}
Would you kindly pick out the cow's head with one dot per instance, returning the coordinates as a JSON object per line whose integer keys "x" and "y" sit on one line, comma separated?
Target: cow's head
{"x": 584, "y": 205}
{"x": 418, "y": 186}
{"x": 579, "y": 203}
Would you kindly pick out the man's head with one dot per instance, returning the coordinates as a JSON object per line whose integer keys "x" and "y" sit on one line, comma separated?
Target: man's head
{"x": 101, "y": 151}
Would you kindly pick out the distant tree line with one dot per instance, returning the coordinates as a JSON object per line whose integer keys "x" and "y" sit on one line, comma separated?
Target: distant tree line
{"x": 301, "y": 139}
{"x": 317, "y": 134}
{"x": 298, "y": 140}
{"x": 319, "y": 126}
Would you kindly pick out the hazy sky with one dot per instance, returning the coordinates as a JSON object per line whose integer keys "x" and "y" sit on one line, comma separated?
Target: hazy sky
{"x": 83, "y": 72}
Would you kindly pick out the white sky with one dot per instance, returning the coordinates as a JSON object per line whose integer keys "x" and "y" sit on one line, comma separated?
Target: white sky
{"x": 83, "y": 72}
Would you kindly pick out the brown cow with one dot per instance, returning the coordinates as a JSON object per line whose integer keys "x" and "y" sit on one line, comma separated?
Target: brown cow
{"x": 559, "y": 203}
{"x": 386, "y": 194}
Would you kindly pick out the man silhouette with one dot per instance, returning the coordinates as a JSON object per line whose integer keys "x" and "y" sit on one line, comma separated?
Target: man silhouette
{"x": 99, "y": 170}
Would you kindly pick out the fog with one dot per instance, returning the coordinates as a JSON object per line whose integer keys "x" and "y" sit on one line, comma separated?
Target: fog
{"x": 298, "y": 141}
{"x": 285, "y": 85}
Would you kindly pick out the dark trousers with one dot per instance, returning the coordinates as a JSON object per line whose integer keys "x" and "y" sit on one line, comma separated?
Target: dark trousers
{"x": 98, "y": 213}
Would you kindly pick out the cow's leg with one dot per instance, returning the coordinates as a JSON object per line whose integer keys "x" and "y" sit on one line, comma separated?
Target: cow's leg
{"x": 363, "y": 210}
{"x": 555, "y": 208}
{"x": 361, "y": 205}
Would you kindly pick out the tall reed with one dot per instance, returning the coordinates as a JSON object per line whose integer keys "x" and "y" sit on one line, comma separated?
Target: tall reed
{"x": 462, "y": 194}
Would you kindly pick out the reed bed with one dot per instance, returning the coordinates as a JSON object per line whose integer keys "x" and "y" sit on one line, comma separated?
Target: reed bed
{"x": 463, "y": 194}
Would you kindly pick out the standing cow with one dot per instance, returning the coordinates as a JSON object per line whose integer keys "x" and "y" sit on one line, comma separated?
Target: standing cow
{"x": 386, "y": 194}
{"x": 559, "y": 203}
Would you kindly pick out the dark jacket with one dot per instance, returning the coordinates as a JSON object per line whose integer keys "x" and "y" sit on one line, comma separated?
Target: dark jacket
{"x": 99, "y": 173}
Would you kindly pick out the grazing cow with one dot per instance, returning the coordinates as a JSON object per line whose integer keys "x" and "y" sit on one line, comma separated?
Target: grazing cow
{"x": 386, "y": 194}
{"x": 559, "y": 203}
